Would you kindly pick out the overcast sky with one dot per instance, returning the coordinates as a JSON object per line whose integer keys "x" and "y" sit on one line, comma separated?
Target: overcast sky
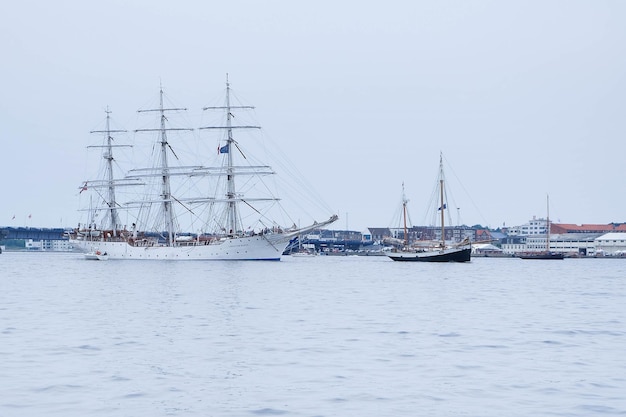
{"x": 524, "y": 98}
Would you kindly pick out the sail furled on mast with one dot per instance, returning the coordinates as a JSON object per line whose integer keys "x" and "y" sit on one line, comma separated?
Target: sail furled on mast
{"x": 231, "y": 215}
{"x": 162, "y": 169}
{"x": 106, "y": 211}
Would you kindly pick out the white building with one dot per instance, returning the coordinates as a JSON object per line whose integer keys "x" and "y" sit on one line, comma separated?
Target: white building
{"x": 486, "y": 249}
{"x": 611, "y": 244}
{"x": 571, "y": 240}
{"x": 48, "y": 245}
{"x": 573, "y": 244}
{"x": 533, "y": 227}
{"x": 31, "y": 244}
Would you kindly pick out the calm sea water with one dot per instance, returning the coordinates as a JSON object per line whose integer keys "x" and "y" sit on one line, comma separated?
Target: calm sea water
{"x": 325, "y": 336}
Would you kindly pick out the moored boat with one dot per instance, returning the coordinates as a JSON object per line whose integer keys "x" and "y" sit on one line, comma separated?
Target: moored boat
{"x": 440, "y": 251}
{"x": 541, "y": 255}
{"x": 461, "y": 253}
{"x": 547, "y": 253}
{"x": 96, "y": 256}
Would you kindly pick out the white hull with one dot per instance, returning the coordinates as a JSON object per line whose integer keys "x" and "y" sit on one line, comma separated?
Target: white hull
{"x": 96, "y": 256}
{"x": 268, "y": 247}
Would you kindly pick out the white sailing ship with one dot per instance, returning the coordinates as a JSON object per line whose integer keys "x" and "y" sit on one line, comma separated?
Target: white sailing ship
{"x": 218, "y": 204}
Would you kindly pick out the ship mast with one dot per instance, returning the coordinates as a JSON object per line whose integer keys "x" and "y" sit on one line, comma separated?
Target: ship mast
{"x": 231, "y": 191}
{"x": 107, "y": 154}
{"x": 404, "y": 203}
{"x": 230, "y": 177}
{"x": 548, "y": 223}
{"x": 442, "y": 207}
{"x": 164, "y": 168}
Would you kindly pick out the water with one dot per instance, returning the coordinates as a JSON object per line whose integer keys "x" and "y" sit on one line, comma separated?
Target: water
{"x": 325, "y": 336}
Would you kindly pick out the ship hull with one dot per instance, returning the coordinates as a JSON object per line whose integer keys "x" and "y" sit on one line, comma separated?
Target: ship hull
{"x": 245, "y": 248}
{"x": 541, "y": 255}
{"x": 444, "y": 255}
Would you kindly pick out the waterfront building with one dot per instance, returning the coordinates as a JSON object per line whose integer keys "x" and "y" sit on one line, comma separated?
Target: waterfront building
{"x": 587, "y": 228}
{"x": 574, "y": 244}
{"x": 611, "y": 244}
{"x": 569, "y": 239}
{"x": 48, "y": 245}
{"x": 379, "y": 233}
{"x": 513, "y": 244}
{"x": 533, "y": 227}
{"x": 433, "y": 233}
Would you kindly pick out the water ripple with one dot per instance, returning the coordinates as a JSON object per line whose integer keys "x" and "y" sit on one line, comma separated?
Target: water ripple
{"x": 268, "y": 412}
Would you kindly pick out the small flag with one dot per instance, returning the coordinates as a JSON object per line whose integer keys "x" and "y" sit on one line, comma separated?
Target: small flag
{"x": 30, "y": 215}
{"x": 83, "y": 188}
{"x": 224, "y": 149}
{"x": 13, "y": 217}
{"x": 444, "y": 206}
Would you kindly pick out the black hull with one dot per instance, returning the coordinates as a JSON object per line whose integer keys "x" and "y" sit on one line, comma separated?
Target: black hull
{"x": 542, "y": 255}
{"x": 449, "y": 255}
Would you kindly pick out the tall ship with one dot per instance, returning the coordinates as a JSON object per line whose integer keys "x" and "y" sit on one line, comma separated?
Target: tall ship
{"x": 227, "y": 206}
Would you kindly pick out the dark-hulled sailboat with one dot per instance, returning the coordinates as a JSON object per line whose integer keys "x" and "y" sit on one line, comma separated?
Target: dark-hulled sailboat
{"x": 439, "y": 251}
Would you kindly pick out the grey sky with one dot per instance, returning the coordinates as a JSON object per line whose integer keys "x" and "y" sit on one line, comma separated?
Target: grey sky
{"x": 523, "y": 98}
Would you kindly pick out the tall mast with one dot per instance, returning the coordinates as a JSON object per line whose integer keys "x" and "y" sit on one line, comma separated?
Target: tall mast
{"x": 442, "y": 207}
{"x": 107, "y": 154}
{"x": 166, "y": 194}
{"x": 547, "y": 222}
{"x": 231, "y": 191}
{"x": 165, "y": 182}
{"x": 230, "y": 177}
{"x": 404, "y": 203}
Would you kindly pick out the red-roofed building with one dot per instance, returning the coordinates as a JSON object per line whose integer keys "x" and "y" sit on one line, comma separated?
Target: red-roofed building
{"x": 562, "y": 228}
{"x": 483, "y": 235}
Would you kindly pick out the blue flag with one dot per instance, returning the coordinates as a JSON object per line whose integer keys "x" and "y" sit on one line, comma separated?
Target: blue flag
{"x": 444, "y": 206}
{"x": 224, "y": 149}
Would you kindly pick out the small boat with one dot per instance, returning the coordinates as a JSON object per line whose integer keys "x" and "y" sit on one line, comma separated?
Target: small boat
{"x": 547, "y": 253}
{"x": 541, "y": 255}
{"x": 438, "y": 251}
{"x": 96, "y": 256}
{"x": 304, "y": 253}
